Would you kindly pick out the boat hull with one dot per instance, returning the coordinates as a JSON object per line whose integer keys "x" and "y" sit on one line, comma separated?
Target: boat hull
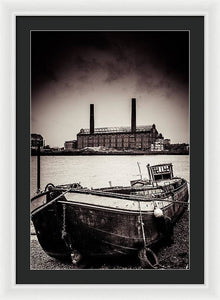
{"x": 65, "y": 226}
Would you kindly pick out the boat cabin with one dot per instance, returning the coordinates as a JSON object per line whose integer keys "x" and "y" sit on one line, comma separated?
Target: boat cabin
{"x": 160, "y": 172}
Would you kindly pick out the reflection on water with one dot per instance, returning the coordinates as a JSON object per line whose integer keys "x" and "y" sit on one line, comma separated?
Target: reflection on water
{"x": 97, "y": 171}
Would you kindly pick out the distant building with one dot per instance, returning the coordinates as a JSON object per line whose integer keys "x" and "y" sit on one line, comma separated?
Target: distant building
{"x": 70, "y": 145}
{"x": 56, "y": 149}
{"x": 134, "y": 137}
{"x": 166, "y": 142}
{"x": 180, "y": 148}
{"x": 37, "y": 140}
{"x": 158, "y": 145}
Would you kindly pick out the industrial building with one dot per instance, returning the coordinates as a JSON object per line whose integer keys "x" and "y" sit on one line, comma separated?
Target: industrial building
{"x": 37, "y": 140}
{"x": 158, "y": 145}
{"x": 134, "y": 137}
{"x": 70, "y": 145}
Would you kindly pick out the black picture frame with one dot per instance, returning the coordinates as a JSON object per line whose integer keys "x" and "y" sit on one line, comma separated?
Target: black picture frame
{"x": 195, "y": 275}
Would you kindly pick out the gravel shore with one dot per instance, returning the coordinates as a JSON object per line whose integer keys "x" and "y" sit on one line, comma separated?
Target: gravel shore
{"x": 174, "y": 256}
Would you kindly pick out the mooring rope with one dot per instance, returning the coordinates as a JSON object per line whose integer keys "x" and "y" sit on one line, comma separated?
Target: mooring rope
{"x": 64, "y": 222}
{"x": 142, "y": 224}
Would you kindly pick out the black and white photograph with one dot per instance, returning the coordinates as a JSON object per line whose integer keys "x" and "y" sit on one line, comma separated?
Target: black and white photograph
{"x": 110, "y": 150}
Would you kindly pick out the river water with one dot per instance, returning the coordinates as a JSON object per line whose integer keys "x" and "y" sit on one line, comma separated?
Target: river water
{"x": 98, "y": 171}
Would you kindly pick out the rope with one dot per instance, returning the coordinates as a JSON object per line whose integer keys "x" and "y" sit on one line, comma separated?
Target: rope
{"x": 64, "y": 222}
{"x": 142, "y": 224}
{"x": 64, "y": 234}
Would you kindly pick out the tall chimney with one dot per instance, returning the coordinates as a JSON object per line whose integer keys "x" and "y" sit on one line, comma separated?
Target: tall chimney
{"x": 133, "y": 115}
{"x": 91, "y": 118}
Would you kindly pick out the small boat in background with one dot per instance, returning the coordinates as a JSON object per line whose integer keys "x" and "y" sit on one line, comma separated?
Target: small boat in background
{"x": 72, "y": 221}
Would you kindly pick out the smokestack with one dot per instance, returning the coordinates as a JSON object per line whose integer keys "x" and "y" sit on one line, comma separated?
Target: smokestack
{"x": 91, "y": 118}
{"x": 133, "y": 115}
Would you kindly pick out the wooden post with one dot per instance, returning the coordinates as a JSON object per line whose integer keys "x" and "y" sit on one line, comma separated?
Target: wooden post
{"x": 139, "y": 169}
{"x": 149, "y": 173}
{"x": 171, "y": 166}
{"x": 38, "y": 169}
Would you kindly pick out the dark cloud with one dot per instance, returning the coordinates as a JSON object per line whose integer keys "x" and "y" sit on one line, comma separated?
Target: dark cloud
{"x": 154, "y": 58}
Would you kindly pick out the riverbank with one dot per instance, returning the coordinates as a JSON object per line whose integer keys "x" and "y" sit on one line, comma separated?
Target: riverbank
{"x": 90, "y": 152}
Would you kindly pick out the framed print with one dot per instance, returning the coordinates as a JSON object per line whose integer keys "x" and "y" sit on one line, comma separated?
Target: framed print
{"x": 110, "y": 150}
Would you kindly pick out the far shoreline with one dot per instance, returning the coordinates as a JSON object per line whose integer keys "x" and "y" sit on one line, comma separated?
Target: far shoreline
{"x": 119, "y": 153}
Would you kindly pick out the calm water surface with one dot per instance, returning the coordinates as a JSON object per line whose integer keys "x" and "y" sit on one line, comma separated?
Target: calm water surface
{"x": 97, "y": 171}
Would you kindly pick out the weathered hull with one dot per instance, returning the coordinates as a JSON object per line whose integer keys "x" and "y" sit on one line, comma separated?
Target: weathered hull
{"x": 65, "y": 226}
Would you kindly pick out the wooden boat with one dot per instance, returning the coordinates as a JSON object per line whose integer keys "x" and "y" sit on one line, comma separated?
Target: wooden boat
{"x": 71, "y": 221}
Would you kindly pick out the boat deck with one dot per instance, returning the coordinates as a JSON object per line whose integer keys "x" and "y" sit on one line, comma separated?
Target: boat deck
{"x": 116, "y": 203}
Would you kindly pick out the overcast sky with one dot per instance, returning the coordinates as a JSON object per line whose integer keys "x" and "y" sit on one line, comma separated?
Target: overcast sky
{"x": 70, "y": 70}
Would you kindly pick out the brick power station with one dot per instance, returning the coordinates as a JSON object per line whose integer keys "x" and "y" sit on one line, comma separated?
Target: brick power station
{"x": 134, "y": 137}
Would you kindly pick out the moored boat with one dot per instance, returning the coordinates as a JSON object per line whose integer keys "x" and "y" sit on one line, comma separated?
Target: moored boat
{"x": 72, "y": 221}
